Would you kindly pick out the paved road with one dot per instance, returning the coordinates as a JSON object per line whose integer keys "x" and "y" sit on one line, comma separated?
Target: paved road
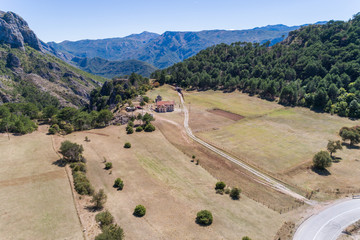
{"x": 328, "y": 224}
{"x": 262, "y": 177}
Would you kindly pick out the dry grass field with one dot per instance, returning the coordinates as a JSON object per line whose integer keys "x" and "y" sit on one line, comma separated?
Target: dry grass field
{"x": 162, "y": 178}
{"x": 280, "y": 140}
{"x": 36, "y": 201}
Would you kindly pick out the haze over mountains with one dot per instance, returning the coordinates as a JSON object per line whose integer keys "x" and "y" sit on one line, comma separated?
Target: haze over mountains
{"x": 168, "y": 48}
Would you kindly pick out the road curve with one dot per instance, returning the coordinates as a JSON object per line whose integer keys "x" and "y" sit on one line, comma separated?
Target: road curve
{"x": 264, "y": 179}
{"x": 329, "y": 223}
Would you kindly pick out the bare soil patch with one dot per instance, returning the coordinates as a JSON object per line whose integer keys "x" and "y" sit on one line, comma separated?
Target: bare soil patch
{"x": 226, "y": 114}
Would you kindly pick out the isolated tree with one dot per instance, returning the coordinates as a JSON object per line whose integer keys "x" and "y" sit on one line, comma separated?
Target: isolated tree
{"x": 220, "y": 185}
{"x": 204, "y": 217}
{"x": 99, "y": 199}
{"x": 72, "y": 152}
{"x": 139, "y": 211}
{"x": 333, "y": 146}
{"x": 235, "y": 193}
{"x": 127, "y": 145}
{"x": 118, "y": 183}
{"x": 350, "y": 134}
{"x": 108, "y": 165}
{"x": 322, "y": 160}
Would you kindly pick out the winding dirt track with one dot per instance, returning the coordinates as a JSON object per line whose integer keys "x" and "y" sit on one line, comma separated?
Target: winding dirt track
{"x": 262, "y": 178}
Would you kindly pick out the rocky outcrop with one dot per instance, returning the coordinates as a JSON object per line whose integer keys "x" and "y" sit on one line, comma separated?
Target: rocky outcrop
{"x": 12, "y": 61}
{"x": 15, "y": 31}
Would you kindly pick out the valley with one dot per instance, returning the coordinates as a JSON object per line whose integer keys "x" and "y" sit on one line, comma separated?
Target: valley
{"x": 205, "y": 134}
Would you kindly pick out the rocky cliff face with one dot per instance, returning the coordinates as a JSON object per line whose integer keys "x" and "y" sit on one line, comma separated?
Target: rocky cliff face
{"x": 15, "y": 31}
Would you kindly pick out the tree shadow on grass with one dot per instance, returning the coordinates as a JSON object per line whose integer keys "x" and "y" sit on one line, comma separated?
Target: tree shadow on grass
{"x": 92, "y": 208}
{"x": 321, "y": 171}
{"x": 349, "y": 146}
{"x": 60, "y": 163}
{"x": 201, "y": 224}
{"x": 336, "y": 159}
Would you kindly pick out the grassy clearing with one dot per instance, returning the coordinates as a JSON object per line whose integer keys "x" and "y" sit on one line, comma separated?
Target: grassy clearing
{"x": 162, "y": 178}
{"x": 233, "y": 102}
{"x": 280, "y": 140}
{"x": 36, "y": 201}
{"x": 277, "y": 139}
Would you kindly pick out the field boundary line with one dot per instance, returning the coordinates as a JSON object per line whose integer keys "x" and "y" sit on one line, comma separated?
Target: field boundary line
{"x": 268, "y": 179}
{"x": 71, "y": 189}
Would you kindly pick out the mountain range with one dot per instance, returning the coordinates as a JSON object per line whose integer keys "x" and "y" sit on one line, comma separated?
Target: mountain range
{"x": 168, "y": 48}
{"x": 30, "y": 73}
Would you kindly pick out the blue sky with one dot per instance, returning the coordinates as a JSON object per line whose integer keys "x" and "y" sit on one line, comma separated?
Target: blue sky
{"x": 60, "y": 20}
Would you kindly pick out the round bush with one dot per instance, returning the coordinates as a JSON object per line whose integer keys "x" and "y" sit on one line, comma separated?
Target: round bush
{"x": 204, "y": 217}
{"x": 322, "y": 160}
{"x": 139, "y": 129}
{"x": 105, "y": 218}
{"x": 129, "y": 130}
{"x": 220, "y": 185}
{"x": 119, "y": 183}
{"x": 108, "y": 165}
{"x": 149, "y": 128}
{"x": 127, "y": 145}
{"x": 139, "y": 211}
{"x": 235, "y": 193}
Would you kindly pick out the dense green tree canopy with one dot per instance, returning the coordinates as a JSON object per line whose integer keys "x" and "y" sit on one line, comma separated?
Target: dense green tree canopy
{"x": 317, "y": 66}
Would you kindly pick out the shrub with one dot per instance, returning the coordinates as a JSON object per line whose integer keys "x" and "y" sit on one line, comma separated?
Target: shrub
{"x": 108, "y": 165}
{"x": 131, "y": 123}
{"x": 227, "y": 191}
{"x": 54, "y": 129}
{"x": 68, "y": 128}
{"x": 204, "y": 217}
{"x": 146, "y": 99}
{"x": 111, "y": 232}
{"x": 82, "y": 184}
{"x": 129, "y": 130}
{"x": 220, "y": 185}
{"x": 105, "y": 218}
{"x": 139, "y": 129}
{"x": 235, "y": 193}
{"x": 322, "y": 160}
{"x": 78, "y": 166}
{"x": 139, "y": 211}
{"x": 127, "y": 145}
{"x": 246, "y": 238}
{"x": 149, "y": 128}
{"x": 119, "y": 183}
{"x": 220, "y": 191}
{"x": 99, "y": 199}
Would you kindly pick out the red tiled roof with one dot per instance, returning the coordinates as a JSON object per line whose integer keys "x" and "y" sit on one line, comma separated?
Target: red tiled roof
{"x": 165, "y": 103}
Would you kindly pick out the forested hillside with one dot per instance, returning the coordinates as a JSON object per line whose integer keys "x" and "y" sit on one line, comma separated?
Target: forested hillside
{"x": 110, "y": 69}
{"x": 317, "y": 66}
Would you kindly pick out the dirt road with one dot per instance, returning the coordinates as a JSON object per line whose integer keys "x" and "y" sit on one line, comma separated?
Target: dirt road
{"x": 262, "y": 177}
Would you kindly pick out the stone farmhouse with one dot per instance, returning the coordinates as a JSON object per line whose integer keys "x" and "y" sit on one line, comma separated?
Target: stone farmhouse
{"x": 164, "y": 106}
